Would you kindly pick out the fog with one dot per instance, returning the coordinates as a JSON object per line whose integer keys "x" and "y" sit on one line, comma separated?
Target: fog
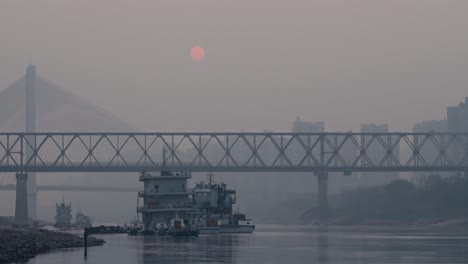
{"x": 342, "y": 62}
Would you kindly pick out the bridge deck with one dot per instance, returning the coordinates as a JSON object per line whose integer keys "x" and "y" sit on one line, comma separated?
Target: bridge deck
{"x": 233, "y": 152}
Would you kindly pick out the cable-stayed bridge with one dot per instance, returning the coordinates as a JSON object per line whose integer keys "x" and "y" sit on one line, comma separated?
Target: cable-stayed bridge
{"x": 34, "y": 104}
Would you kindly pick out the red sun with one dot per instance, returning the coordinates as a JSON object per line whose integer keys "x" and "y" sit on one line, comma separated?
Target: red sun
{"x": 197, "y": 53}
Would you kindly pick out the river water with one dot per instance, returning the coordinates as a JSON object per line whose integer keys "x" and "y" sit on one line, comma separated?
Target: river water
{"x": 279, "y": 244}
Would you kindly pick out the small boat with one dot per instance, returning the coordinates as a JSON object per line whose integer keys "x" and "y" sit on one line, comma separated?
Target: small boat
{"x": 136, "y": 229}
{"x": 178, "y": 228}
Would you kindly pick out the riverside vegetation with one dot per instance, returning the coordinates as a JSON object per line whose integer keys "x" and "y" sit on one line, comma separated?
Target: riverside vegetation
{"x": 433, "y": 200}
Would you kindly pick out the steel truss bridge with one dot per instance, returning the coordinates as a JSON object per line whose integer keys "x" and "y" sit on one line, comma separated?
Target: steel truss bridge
{"x": 233, "y": 152}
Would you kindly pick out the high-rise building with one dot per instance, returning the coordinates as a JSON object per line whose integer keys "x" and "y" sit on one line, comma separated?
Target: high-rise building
{"x": 457, "y": 117}
{"x": 300, "y": 126}
{"x": 457, "y": 120}
{"x": 436, "y": 126}
{"x": 374, "y": 128}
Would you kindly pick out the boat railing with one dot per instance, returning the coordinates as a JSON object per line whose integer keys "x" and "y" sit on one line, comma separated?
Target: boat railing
{"x": 145, "y": 175}
{"x": 159, "y": 207}
{"x": 162, "y": 191}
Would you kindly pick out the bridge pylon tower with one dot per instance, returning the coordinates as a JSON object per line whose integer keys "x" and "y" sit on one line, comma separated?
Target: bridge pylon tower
{"x": 31, "y": 128}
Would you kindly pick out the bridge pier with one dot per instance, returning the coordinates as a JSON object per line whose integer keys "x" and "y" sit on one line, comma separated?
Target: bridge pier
{"x": 21, "y": 208}
{"x": 322, "y": 178}
{"x": 32, "y": 195}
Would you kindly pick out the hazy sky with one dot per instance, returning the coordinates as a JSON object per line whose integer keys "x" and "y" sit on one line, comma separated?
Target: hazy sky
{"x": 345, "y": 62}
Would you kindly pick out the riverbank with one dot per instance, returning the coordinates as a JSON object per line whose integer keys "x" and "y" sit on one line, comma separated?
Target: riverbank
{"x": 455, "y": 222}
{"x": 22, "y": 243}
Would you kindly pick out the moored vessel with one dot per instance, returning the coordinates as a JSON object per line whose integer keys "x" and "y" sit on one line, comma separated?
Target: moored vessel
{"x": 171, "y": 209}
{"x": 213, "y": 211}
{"x": 166, "y": 203}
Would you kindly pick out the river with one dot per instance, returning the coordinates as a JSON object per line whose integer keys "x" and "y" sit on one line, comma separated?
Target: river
{"x": 279, "y": 244}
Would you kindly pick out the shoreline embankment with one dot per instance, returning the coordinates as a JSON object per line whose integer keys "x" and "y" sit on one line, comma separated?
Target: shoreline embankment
{"x": 23, "y": 243}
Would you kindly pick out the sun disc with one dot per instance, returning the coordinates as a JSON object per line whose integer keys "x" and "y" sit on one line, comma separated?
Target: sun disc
{"x": 197, "y": 53}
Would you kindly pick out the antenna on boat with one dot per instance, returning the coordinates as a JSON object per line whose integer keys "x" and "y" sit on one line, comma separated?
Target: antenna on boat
{"x": 210, "y": 178}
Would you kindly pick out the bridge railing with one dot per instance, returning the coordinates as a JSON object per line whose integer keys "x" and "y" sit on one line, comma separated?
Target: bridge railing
{"x": 56, "y": 152}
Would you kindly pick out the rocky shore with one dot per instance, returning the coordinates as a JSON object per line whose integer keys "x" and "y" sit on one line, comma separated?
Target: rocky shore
{"x": 22, "y": 243}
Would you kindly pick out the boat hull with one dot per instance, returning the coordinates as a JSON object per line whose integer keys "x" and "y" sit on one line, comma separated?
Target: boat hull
{"x": 240, "y": 229}
{"x": 209, "y": 230}
{"x": 183, "y": 233}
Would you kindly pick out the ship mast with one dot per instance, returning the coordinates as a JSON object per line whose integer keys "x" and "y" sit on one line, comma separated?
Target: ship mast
{"x": 210, "y": 178}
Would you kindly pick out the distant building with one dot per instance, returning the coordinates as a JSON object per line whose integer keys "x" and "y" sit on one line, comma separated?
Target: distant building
{"x": 376, "y": 154}
{"x": 457, "y": 120}
{"x": 436, "y": 126}
{"x": 300, "y": 126}
{"x": 374, "y": 128}
{"x": 457, "y": 117}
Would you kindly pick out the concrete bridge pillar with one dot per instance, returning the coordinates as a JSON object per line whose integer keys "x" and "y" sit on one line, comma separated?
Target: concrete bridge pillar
{"x": 21, "y": 209}
{"x": 322, "y": 178}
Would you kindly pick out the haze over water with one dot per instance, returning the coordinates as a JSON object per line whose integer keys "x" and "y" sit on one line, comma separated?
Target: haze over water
{"x": 279, "y": 244}
{"x": 253, "y": 66}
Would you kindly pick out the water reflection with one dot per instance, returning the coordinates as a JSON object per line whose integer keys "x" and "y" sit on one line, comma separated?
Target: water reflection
{"x": 278, "y": 244}
{"x": 204, "y": 249}
{"x": 322, "y": 244}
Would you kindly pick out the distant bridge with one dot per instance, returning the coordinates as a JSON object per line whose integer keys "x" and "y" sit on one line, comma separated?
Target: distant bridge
{"x": 71, "y": 188}
{"x": 233, "y": 152}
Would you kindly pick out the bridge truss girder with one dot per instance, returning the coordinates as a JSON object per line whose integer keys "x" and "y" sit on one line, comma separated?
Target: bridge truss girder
{"x": 233, "y": 152}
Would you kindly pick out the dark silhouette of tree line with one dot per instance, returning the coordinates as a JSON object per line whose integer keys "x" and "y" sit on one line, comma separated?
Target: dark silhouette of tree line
{"x": 434, "y": 197}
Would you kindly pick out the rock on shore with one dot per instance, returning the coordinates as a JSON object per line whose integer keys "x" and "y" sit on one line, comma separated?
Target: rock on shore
{"x": 22, "y": 243}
